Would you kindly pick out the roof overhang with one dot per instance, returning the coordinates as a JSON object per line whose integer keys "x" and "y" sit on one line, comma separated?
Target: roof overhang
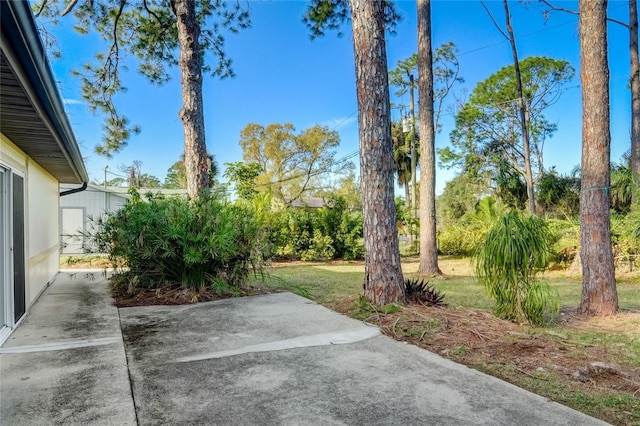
{"x": 32, "y": 114}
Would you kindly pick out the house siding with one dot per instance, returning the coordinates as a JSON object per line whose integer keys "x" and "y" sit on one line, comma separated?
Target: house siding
{"x": 42, "y": 230}
{"x": 93, "y": 203}
{"x": 41, "y": 218}
{"x": 11, "y": 155}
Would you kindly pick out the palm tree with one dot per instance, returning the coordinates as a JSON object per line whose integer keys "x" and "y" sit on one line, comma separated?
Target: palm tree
{"x": 401, "y": 159}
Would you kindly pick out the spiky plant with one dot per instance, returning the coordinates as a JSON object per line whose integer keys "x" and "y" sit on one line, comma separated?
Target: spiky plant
{"x": 421, "y": 292}
{"x": 513, "y": 251}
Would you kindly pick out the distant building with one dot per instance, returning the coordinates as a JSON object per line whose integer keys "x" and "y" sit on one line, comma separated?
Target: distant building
{"x": 309, "y": 202}
{"x": 79, "y": 210}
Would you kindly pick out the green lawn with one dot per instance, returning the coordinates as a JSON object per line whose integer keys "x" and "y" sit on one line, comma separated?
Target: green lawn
{"x": 330, "y": 282}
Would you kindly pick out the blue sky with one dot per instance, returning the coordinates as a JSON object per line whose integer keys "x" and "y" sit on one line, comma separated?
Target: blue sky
{"x": 283, "y": 76}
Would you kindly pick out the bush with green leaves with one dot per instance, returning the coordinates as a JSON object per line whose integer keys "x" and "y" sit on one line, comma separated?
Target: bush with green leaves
{"x": 176, "y": 242}
{"x": 625, "y": 236}
{"x": 463, "y": 236}
{"x": 330, "y": 232}
{"x": 460, "y": 238}
{"x": 513, "y": 251}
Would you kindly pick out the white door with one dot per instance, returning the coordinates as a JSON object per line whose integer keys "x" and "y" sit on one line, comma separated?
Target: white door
{"x": 72, "y": 229}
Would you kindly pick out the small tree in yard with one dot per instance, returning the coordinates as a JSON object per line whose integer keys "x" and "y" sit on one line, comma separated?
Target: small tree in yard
{"x": 512, "y": 252}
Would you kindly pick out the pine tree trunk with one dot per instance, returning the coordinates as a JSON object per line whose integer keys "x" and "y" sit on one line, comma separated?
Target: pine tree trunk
{"x": 428, "y": 243}
{"x": 192, "y": 112}
{"x": 599, "y": 295}
{"x": 524, "y": 126}
{"x": 635, "y": 99}
{"x": 383, "y": 282}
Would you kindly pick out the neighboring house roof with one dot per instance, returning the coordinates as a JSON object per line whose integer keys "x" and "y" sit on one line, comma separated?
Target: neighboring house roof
{"x": 32, "y": 114}
{"x": 311, "y": 202}
{"x": 123, "y": 191}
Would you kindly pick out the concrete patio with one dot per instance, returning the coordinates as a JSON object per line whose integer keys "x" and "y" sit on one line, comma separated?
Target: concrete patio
{"x": 274, "y": 359}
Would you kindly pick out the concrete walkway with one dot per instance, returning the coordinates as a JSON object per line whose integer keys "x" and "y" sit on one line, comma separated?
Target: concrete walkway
{"x": 265, "y": 360}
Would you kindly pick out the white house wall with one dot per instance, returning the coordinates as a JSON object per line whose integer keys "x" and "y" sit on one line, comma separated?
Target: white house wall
{"x": 43, "y": 232}
{"x": 11, "y": 155}
{"x": 41, "y": 221}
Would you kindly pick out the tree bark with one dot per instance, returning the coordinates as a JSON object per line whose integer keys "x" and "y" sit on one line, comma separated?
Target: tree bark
{"x": 635, "y": 100}
{"x": 414, "y": 201}
{"x": 383, "y": 282}
{"x": 524, "y": 126}
{"x": 192, "y": 112}
{"x": 599, "y": 295}
{"x": 428, "y": 243}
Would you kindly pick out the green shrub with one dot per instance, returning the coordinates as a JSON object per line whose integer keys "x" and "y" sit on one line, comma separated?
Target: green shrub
{"x": 460, "y": 238}
{"x": 513, "y": 251}
{"x": 344, "y": 228}
{"x": 625, "y": 236}
{"x": 463, "y": 236}
{"x": 177, "y": 242}
{"x": 564, "y": 240}
{"x": 326, "y": 233}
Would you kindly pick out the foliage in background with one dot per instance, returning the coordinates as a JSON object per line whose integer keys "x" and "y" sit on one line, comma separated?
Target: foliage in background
{"x": 512, "y": 252}
{"x": 559, "y": 196}
{"x": 460, "y": 196}
{"x": 510, "y": 186}
{"x": 625, "y": 235}
{"x": 177, "y": 242}
{"x": 408, "y": 224}
{"x": 243, "y": 177}
{"x": 331, "y": 232}
{"x": 346, "y": 187}
{"x": 177, "y": 173}
{"x": 621, "y": 188}
{"x": 463, "y": 236}
{"x": 487, "y": 126}
{"x": 564, "y": 237}
{"x": 292, "y": 164}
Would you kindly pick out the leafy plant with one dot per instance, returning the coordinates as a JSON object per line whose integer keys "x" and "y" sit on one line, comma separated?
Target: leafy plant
{"x": 363, "y": 308}
{"x": 331, "y": 232}
{"x": 422, "y": 292}
{"x": 178, "y": 242}
{"x": 513, "y": 251}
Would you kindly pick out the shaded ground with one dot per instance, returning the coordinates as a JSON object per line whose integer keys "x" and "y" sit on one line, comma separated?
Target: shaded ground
{"x": 177, "y": 296}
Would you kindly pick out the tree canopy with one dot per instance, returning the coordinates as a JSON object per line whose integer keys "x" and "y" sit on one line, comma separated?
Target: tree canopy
{"x": 243, "y": 177}
{"x": 145, "y": 30}
{"x": 446, "y": 73}
{"x": 177, "y": 173}
{"x": 487, "y": 126}
{"x": 291, "y": 163}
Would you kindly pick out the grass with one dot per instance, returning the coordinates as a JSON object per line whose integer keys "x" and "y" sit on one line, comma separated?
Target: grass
{"x": 325, "y": 283}
{"x": 333, "y": 281}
